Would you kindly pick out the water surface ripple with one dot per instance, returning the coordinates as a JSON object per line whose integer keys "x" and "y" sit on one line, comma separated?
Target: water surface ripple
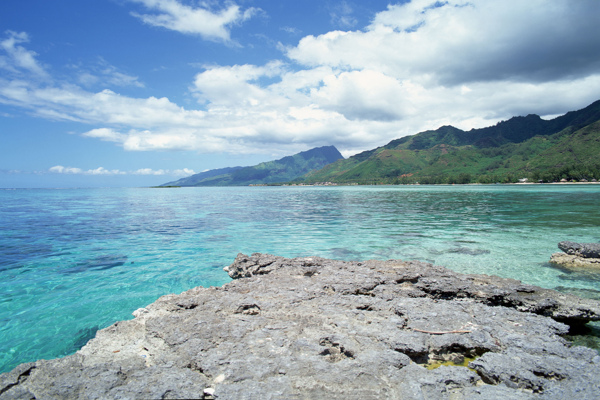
{"x": 76, "y": 260}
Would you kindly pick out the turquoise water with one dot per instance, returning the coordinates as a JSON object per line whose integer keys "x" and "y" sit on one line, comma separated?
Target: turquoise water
{"x": 76, "y": 260}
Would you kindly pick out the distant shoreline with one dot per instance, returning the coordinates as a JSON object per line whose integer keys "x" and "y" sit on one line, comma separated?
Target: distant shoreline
{"x": 330, "y": 184}
{"x": 553, "y": 183}
{"x": 438, "y": 184}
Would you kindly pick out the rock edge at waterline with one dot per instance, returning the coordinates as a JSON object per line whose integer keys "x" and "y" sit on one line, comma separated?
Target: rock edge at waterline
{"x": 577, "y": 256}
{"x": 317, "y": 328}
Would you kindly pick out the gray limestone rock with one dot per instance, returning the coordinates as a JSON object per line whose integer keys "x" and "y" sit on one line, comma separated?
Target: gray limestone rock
{"x": 573, "y": 262}
{"x": 585, "y": 250}
{"x": 316, "y": 328}
{"x": 577, "y": 256}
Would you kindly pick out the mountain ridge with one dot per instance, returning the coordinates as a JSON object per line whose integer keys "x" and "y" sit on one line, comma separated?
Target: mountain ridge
{"x": 565, "y": 147}
{"x": 277, "y": 171}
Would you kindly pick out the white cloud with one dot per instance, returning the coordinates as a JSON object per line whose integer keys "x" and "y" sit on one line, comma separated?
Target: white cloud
{"x": 102, "y": 72}
{"x": 120, "y": 79}
{"x": 87, "y": 79}
{"x": 234, "y": 86}
{"x": 106, "y": 134}
{"x": 212, "y": 25}
{"x": 291, "y": 30}
{"x": 104, "y": 171}
{"x": 366, "y": 95}
{"x": 418, "y": 66}
{"x": 106, "y": 106}
{"x": 17, "y": 57}
{"x": 160, "y": 172}
{"x": 183, "y": 172}
{"x": 460, "y": 41}
{"x": 149, "y": 171}
{"x": 59, "y": 169}
{"x": 341, "y": 15}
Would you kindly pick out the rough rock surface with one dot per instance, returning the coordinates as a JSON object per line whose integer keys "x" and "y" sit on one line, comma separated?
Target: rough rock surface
{"x": 312, "y": 328}
{"x": 577, "y": 255}
{"x": 574, "y": 262}
{"x": 585, "y": 250}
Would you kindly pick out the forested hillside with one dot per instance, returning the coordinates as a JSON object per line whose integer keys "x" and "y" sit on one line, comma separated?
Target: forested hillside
{"x": 567, "y": 147}
{"x": 278, "y": 171}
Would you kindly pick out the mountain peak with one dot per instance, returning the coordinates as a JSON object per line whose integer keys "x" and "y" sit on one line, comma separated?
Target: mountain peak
{"x": 283, "y": 170}
{"x": 528, "y": 146}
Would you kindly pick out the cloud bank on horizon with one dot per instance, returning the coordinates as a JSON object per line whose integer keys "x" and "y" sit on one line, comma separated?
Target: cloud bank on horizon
{"x": 414, "y": 66}
{"x": 59, "y": 169}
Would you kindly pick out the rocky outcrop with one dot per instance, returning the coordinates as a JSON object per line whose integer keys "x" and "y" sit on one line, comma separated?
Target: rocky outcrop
{"x": 316, "y": 328}
{"x": 584, "y": 250}
{"x": 574, "y": 262}
{"x": 577, "y": 255}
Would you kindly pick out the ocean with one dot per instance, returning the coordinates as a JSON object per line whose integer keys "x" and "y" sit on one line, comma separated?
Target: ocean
{"x": 73, "y": 261}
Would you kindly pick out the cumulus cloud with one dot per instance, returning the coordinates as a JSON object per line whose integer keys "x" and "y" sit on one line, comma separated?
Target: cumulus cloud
{"x": 361, "y": 95}
{"x": 211, "y": 25}
{"x": 460, "y": 41}
{"x": 234, "y": 86}
{"x": 417, "y": 66}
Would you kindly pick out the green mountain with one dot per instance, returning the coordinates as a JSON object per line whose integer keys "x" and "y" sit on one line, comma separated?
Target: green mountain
{"x": 566, "y": 147}
{"x": 278, "y": 171}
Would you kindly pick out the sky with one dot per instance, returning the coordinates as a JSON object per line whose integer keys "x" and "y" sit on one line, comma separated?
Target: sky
{"x": 113, "y": 93}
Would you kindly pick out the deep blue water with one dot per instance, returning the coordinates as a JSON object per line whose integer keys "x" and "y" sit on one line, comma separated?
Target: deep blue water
{"x": 76, "y": 260}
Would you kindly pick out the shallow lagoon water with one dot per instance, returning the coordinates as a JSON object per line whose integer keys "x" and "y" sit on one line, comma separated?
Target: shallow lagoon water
{"x": 76, "y": 260}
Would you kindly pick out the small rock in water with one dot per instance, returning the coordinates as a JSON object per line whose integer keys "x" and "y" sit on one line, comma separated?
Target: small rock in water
{"x": 577, "y": 256}
{"x": 468, "y": 251}
{"x": 585, "y": 250}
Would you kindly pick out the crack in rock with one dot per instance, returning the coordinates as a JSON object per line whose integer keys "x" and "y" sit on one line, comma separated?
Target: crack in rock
{"x": 20, "y": 379}
{"x": 248, "y": 309}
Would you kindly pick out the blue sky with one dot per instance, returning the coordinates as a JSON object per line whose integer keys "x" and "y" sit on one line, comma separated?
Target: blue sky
{"x": 142, "y": 92}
